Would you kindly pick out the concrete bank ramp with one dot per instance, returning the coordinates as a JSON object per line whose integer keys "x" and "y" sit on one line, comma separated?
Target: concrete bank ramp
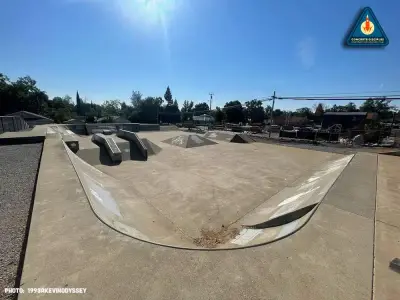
{"x": 122, "y": 208}
{"x": 109, "y": 144}
{"x": 132, "y": 137}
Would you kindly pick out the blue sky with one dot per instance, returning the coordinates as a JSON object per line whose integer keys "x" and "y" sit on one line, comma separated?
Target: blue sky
{"x": 237, "y": 49}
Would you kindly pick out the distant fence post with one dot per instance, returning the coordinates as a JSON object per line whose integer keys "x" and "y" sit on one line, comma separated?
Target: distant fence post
{"x": 13, "y": 123}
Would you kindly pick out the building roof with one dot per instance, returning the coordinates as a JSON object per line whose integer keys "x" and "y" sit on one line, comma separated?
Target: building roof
{"x": 23, "y": 113}
{"x": 357, "y": 113}
{"x": 72, "y": 121}
{"x": 203, "y": 116}
{"x": 113, "y": 118}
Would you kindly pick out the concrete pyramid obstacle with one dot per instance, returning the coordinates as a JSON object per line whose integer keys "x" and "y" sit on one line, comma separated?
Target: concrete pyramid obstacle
{"x": 189, "y": 141}
{"x": 242, "y": 139}
{"x": 219, "y": 136}
{"x": 152, "y": 148}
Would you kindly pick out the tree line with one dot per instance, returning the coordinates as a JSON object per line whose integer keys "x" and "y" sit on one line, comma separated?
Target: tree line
{"x": 23, "y": 94}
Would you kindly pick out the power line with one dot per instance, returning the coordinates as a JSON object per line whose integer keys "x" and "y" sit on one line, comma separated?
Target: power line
{"x": 309, "y": 98}
{"x": 356, "y": 93}
{"x": 354, "y": 98}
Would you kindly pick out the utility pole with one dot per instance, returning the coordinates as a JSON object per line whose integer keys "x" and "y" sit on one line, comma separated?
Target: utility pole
{"x": 211, "y": 95}
{"x": 272, "y": 112}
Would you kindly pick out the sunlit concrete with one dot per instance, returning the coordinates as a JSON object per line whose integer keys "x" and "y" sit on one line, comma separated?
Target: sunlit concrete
{"x": 329, "y": 258}
{"x": 176, "y": 195}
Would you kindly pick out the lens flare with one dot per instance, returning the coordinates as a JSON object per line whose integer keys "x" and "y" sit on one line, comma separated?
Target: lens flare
{"x": 150, "y": 16}
{"x": 149, "y": 12}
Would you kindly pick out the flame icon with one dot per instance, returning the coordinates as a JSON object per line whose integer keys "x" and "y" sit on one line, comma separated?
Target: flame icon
{"x": 367, "y": 27}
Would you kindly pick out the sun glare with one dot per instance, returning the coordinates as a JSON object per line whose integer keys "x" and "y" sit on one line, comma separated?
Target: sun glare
{"x": 153, "y": 12}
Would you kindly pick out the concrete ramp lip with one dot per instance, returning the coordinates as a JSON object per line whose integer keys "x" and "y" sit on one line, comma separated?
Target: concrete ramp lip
{"x": 292, "y": 202}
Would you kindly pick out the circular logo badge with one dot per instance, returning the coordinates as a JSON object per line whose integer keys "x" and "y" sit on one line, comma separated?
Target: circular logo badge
{"x": 367, "y": 27}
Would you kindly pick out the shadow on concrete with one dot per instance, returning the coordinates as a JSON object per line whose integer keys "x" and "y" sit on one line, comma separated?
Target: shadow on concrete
{"x": 392, "y": 153}
{"x": 100, "y": 156}
{"x": 133, "y": 151}
{"x": 285, "y": 219}
{"x": 152, "y": 149}
{"x": 104, "y": 157}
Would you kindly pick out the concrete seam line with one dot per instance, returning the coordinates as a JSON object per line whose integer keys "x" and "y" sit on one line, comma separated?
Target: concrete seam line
{"x": 388, "y": 224}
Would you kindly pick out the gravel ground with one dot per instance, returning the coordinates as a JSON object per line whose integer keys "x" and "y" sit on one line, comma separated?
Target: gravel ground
{"x": 18, "y": 169}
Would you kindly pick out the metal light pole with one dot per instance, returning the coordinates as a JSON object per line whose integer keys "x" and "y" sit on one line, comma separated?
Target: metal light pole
{"x": 211, "y": 96}
{"x": 271, "y": 116}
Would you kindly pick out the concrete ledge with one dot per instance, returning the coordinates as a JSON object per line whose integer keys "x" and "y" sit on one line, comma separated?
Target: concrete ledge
{"x": 149, "y": 127}
{"x": 111, "y": 146}
{"x": 99, "y": 127}
{"x": 131, "y": 136}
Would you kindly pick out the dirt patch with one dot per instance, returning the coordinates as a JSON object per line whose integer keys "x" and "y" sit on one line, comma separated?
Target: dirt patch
{"x": 211, "y": 238}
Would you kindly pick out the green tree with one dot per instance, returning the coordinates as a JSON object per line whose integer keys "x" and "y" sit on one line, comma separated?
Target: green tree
{"x": 381, "y": 106}
{"x": 111, "y": 108}
{"x": 234, "y": 112}
{"x": 23, "y": 94}
{"x": 219, "y": 115}
{"x": 78, "y": 104}
{"x": 319, "y": 110}
{"x": 268, "y": 111}
{"x": 91, "y": 116}
{"x": 278, "y": 112}
{"x": 187, "y": 106}
{"x": 201, "y": 108}
{"x": 149, "y": 110}
{"x": 351, "y": 107}
{"x": 168, "y": 96}
{"x": 126, "y": 110}
{"x": 303, "y": 112}
{"x": 255, "y": 111}
{"x": 170, "y": 113}
{"x": 59, "y": 109}
{"x": 136, "y": 98}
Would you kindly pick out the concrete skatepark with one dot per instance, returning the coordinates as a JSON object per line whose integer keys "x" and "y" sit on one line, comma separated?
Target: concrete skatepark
{"x": 197, "y": 216}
